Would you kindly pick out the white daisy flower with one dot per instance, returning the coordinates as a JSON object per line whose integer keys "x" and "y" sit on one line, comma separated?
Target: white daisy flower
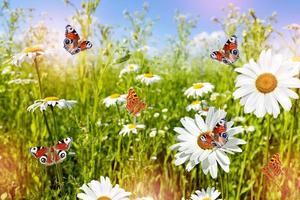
{"x": 129, "y": 68}
{"x": 195, "y": 106}
{"x": 198, "y": 89}
{"x": 102, "y": 190}
{"x": 209, "y": 194}
{"x": 28, "y": 55}
{"x": 51, "y": 101}
{"x": 198, "y": 106}
{"x": 128, "y": 128}
{"x": 114, "y": 99}
{"x": 148, "y": 78}
{"x": 262, "y": 85}
{"x": 198, "y": 144}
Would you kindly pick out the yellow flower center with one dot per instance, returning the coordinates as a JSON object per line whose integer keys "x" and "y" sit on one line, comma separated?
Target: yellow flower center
{"x": 196, "y": 102}
{"x": 296, "y": 59}
{"x": 198, "y": 86}
{"x": 115, "y": 96}
{"x": 206, "y": 198}
{"x": 266, "y": 83}
{"x": 148, "y": 75}
{"x": 131, "y": 126}
{"x": 32, "y": 49}
{"x": 103, "y": 198}
{"x": 131, "y": 67}
{"x": 51, "y": 99}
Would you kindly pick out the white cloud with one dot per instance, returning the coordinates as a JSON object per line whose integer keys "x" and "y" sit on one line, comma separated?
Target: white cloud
{"x": 204, "y": 43}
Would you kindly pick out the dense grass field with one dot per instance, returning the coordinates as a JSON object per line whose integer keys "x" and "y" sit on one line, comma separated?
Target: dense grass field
{"x": 141, "y": 163}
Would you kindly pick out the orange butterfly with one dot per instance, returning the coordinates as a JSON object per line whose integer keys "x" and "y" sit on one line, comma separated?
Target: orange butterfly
{"x": 206, "y": 141}
{"x": 273, "y": 169}
{"x": 134, "y": 104}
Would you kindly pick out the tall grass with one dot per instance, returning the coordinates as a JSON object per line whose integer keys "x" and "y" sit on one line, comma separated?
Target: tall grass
{"x": 139, "y": 163}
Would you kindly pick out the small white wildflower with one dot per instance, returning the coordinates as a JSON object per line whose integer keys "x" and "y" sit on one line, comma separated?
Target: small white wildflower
{"x": 156, "y": 115}
{"x": 164, "y": 110}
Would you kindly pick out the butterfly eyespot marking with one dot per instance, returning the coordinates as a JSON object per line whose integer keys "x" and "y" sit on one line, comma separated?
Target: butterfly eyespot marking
{"x": 232, "y": 38}
{"x": 234, "y": 52}
{"x": 213, "y": 55}
{"x": 62, "y": 154}
{"x": 33, "y": 150}
{"x": 203, "y": 138}
{"x": 67, "y": 41}
{"x": 89, "y": 44}
{"x": 77, "y": 50}
{"x": 69, "y": 28}
{"x": 43, "y": 159}
{"x": 221, "y": 122}
{"x": 224, "y": 135}
{"x": 67, "y": 140}
{"x": 225, "y": 61}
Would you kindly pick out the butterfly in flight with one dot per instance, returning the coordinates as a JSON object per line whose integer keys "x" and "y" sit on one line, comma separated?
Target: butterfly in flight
{"x": 134, "y": 105}
{"x": 229, "y": 54}
{"x": 72, "y": 42}
{"x": 273, "y": 169}
{"x": 52, "y": 155}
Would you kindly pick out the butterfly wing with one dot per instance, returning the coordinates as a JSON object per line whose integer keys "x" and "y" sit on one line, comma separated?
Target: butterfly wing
{"x": 43, "y": 154}
{"x": 220, "y": 56}
{"x": 206, "y": 141}
{"x": 85, "y": 45}
{"x": 134, "y": 105}
{"x": 71, "y": 40}
{"x": 273, "y": 169}
{"x": 60, "y": 150}
{"x": 138, "y": 107}
{"x": 230, "y": 49}
{"x": 64, "y": 144}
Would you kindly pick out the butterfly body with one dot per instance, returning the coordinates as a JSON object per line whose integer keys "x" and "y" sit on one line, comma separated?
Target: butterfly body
{"x": 206, "y": 141}
{"x": 72, "y": 42}
{"x": 273, "y": 169}
{"x": 229, "y": 54}
{"x": 54, "y": 154}
{"x": 134, "y": 105}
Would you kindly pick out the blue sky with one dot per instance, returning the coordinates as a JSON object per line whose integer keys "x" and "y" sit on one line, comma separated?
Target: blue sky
{"x": 110, "y": 11}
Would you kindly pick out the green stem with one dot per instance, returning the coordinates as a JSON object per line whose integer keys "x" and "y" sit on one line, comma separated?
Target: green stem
{"x": 36, "y": 66}
{"x": 294, "y": 127}
{"x": 118, "y": 109}
{"x": 58, "y": 169}
{"x": 222, "y": 186}
{"x": 266, "y": 155}
{"x": 47, "y": 125}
